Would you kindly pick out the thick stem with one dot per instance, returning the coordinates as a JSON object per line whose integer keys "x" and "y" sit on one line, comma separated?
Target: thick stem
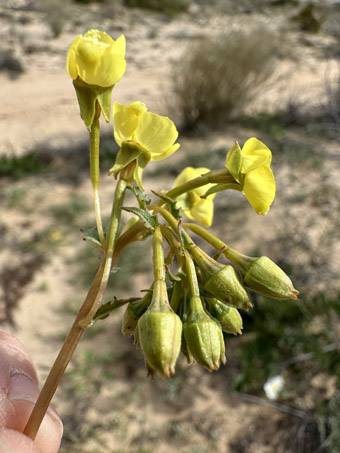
{"x": 61, "y": 361}
{"x": 83, "y": 320}
{"x": 95, "y": 171}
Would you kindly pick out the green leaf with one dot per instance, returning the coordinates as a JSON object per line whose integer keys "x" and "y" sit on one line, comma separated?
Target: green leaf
{"x": 92, "y": 235}
{"x": 175, "y": 211}
{"x": 150, "y": 221}
{"x": 106, "y": 309}
{"x": 142, "y": 198}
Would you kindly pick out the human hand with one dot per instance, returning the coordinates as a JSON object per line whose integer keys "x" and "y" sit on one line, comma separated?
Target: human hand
{"x": 18, "y": 393}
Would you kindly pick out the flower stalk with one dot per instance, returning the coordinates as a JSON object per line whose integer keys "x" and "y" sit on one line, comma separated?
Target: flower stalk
{"x": 95, "y": 171}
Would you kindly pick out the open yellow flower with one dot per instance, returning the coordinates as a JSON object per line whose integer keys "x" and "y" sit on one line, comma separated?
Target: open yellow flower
{"x": 251, "y": 168}
{"x": 142, "y": 136}
{"x": 193, "y": 206}
{"x": 96, "y": 58}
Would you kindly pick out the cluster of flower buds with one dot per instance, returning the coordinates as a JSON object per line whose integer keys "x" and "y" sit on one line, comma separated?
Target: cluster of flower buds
{"x": 204, "y": 302}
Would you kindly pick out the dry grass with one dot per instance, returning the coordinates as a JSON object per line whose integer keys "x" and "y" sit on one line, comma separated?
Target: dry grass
{"x": 216, "y": 79}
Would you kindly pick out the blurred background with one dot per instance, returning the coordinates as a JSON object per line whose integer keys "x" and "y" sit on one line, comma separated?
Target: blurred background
{"x": 222, "y": 70}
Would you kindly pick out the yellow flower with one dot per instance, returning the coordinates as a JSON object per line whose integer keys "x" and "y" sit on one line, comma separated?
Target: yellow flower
{"x": 142, "y": 136}
{"x": 157, "y": 134}
{"x": 193, "y": 206}
{"x": 96, "y": 58}
{"x": 251, "y": 168}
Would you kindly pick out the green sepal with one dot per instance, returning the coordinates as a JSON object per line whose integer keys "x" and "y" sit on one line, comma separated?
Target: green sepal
{"x": 150, "y": 221}
{"x": 129, "y": 152}
{"x": 87, "y": 96}
{"x": 234, "y": 160}
{"x": 91, "y": 234}
{"x": 221, "y": 187}
{"x": 175, "y": 211}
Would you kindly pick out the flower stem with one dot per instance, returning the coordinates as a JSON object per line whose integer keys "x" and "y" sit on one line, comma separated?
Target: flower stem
{"x": 95, "y": 172}
{"x": 191, "y": 275}
{"x": 158, "y": 255}
{"x": 83, "y": 320}
{"x": 212, "y": 177}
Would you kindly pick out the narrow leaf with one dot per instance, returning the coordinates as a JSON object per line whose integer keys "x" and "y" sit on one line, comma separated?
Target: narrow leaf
{"x": 150, "y": 221}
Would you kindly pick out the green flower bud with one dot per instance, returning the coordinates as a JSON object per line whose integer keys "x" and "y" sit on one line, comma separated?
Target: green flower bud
{"x": 229, "y": 317}
{"x": 221, "y": 281}
{"x": 160, "y": 332}
{"x": 133, "y": 312}
{"x": 204, "y": 337}
{"x": 263, "y": 275}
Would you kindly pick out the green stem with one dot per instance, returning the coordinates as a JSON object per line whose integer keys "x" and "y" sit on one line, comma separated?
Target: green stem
{"x": 95, "y": 171}
{"x": 158, "y": 255}
{"x": 240, "y": 260}
{"x": 114, "y": 225}
{"x": 206, "y": 235}
{"x": 191, "y": 275}
{"x": 212, "y": 177}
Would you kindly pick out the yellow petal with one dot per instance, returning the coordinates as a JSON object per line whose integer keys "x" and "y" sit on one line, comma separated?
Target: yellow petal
{"x": 71, "y": 64}
{"x": 254, "y": 147}
{"x": 250, "y": 163}
{"x": 259, "y": 188}
{"x": 202, "y": 212}
{"x": 166, "y": 153}
{"x": 137, "y": 107}
{"x": 120, "y": 46}
{"x": 110, "y": 70}
{"x": 125, "y": 122}
{"x": 156, "y": 133}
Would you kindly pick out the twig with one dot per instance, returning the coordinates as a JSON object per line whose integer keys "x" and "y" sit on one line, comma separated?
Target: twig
{"x": 277, "y": 406}
{"x": 309, "y": 355}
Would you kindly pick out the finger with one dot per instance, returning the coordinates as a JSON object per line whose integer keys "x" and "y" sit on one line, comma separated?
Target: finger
{"x": 19, "y": 385}
{"x": 14, "y": 442}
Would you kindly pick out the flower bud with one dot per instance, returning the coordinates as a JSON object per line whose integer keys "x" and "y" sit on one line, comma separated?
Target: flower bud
{"x": 263, "y": 275}
{"x": 229, "y": 317}
{"x": 204, "y": 337}
{"x": 160, "y": 332}
{"x": 133, "y": 312}
{"x": 221, "y": 280}
{"x": 160, "y": 338}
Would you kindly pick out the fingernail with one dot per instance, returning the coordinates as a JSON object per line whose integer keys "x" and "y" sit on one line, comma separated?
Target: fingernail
{"x": 22, "y": 388}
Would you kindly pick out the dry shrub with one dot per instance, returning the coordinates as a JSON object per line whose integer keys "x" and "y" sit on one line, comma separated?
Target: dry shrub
{"x": 217, "y": 78}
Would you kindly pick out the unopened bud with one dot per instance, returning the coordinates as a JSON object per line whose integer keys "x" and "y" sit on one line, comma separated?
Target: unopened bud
{"x": 229, "y": 317}
{"x": 204, "y": 338}
{"x": 263, "y": 275}
{"x": 160, "y": 332}
{"x": 221, "y": 281}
